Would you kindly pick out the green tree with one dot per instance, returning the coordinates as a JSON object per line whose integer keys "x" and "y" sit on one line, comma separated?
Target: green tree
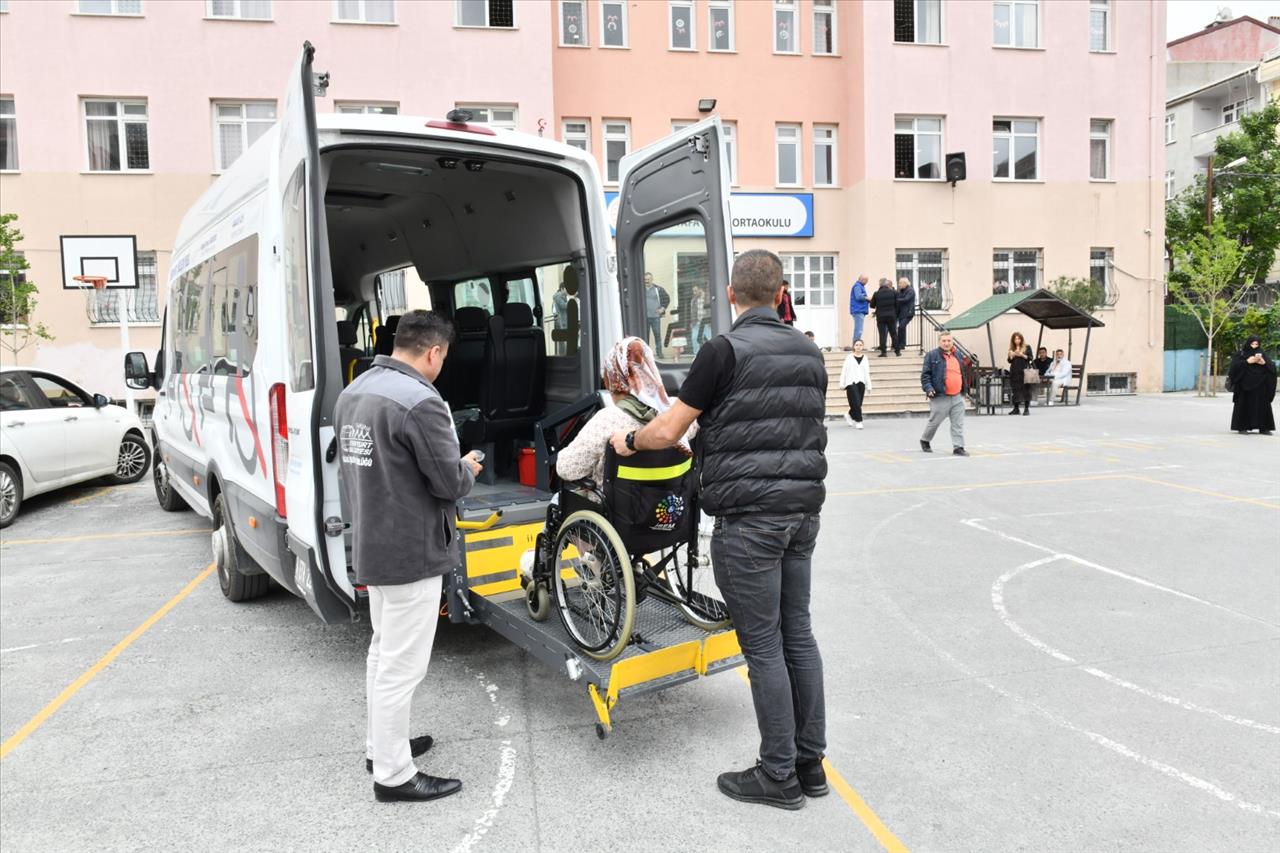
{"x": 1083, "y": 293}
{"x": 17, "y": 294}
{"x": 1209, "y": 285}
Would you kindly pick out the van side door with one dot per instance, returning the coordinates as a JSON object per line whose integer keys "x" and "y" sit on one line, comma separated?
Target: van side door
{"x": 674, "y": 244}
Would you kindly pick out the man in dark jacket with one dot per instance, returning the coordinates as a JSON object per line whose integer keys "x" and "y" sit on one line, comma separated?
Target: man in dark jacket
{"x": 905, "y": 303}
{"x": 884, "y": 303}
{"x": 761, "y": 459}
{"x": 945, "y": 384}
{"x": 401, "y": 476}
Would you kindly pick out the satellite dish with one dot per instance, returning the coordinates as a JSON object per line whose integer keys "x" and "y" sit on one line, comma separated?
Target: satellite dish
{"x": 1224, "y": 14}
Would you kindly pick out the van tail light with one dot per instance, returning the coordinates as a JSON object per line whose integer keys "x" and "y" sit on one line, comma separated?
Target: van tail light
{"x": 279, "y": 444}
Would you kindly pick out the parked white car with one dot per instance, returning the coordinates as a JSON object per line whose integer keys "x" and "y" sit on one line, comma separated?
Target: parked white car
{"x": 54, "y": 434}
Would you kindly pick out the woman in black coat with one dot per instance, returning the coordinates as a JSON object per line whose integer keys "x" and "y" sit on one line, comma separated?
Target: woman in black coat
{"x": 1253, "y": 383}
{"x": 1019, "y": 361}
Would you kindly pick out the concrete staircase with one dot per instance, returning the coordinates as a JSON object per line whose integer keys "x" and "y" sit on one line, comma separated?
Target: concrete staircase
{"x": 895, "y": 384}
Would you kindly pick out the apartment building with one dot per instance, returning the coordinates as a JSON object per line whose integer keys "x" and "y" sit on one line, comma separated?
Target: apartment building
{"x": 855, "y": 107}
{"x": 116, "y": 114}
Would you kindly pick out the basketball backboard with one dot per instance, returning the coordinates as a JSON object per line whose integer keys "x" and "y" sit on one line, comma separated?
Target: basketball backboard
{"x": 114, "y": 257}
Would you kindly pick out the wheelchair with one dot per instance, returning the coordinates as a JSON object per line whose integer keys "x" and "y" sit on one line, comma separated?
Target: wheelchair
{"x": 605, "y": 550}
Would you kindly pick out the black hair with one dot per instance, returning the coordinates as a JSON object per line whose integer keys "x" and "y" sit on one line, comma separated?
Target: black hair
{"x": 421, "y": 330}
{"x": 757, "y": 278}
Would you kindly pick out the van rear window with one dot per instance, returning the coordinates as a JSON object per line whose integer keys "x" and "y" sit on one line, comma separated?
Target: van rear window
{"x": 297, "y": 292}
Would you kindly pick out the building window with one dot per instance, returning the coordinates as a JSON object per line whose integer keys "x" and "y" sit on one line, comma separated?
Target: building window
{"x": 502, "y": 116}
{"x": 786, "y": 38}
{"x": 617, "y": 144}
{"x": 824, "y": 27}
{"x": 1015, "y": 270}
{"x": 1016, "y": 148}
{"x": 926, "y": 269}
{"x": 1017, "y": 23}
{"x": 917, "y": 21}
{"x": 1170, "y": 128}
{"x": 730, "y": 129}
{"x": 391, "y": 293}
{"x": 364, "y": 11}
{"x": 1100, "y": 149}
{"x": 8, "y": 135}
{"x": 116, "y": 136}
{"x": 573, "y": 23}
{"x": 1168, "y": 186}
{"x": 369, "y": 109}
{"x": 812, "y": 279}
{"x": 576, "y": 132}
{"x": 824, "y": 155}
{"x": 720, "y": 25}
{"x": 1100, "y": 264}
{"x": 239, "y": 10}
{"x": 4, "y": 5}
{"x": 680, "y": 24}
{"x": 613, "y": 24}
{"x": 786, "y": 143}
{"x": 917, "y": 148}
{"x": 236, "y": 126}
{"x": 1099, "y": 25}
{"x": 109, "y": 7}
{"x": 1232, "y": 112}
{"x": 142, "y": 302}
{"x": 485, "y": 13}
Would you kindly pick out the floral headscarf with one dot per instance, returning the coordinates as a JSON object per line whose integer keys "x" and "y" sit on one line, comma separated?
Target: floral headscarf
{"x": 629, "y": 369}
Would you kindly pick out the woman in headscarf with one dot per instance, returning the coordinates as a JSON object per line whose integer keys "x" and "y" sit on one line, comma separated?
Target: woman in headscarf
{"x": 1253, "y": 383}
{"x": 631, "y": 376}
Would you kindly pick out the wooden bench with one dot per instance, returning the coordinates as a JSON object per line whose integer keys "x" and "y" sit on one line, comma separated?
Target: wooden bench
{"x": 1076, "y": 383}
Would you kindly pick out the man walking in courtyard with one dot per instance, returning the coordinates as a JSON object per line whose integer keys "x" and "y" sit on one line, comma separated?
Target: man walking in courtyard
{"x": 858, "y": 306}
{"x": 943, "y": 381}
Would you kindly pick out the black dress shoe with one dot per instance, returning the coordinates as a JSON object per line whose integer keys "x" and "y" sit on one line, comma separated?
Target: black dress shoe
{"x": 959, "y": 451}
{"x": 1026, "y": 410}
{"x": 925, "y": 446}
{"x": 421, "y": 787}
{"x": 813, "y": 778}
{"x": 755, "y": 786}
{"x": 417, "y": 746}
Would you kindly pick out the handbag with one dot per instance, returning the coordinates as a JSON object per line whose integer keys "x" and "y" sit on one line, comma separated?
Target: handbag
{"x": 1031, "y": 376}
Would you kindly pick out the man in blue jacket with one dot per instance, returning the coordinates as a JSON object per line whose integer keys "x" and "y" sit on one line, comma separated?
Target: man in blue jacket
{"x": 858, "y": 305}
{"x": 943, "y": 381}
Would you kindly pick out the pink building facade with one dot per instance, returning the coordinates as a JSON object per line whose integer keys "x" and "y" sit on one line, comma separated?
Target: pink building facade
{"x": 1240, "y": 39}
{"x": 198, "y": 88}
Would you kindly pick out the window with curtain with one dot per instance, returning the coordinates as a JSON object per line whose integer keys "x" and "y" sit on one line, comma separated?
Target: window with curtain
{"x": 617, "y": 144}
{"x": 1016, "y": 23}
{"x": 720, "y": 25}
{"x": 8, "y": 135}
{"x": 787, "y": 154}
{"x": 364, "y": 11}
{"x": 926, "y": 269}
{"x": 1016, "y": 149}
{"x": 109, "y": 7}
{"x": 242, "y": 10}
{"x": 680, "y": 25}
{"x": 370, "y": 109}
{"x": 917, "y": 148}
{"x": 785, "y": 37}
{"x": 1015, "y": 270}
{"x": 613, "y": 24}
{"x": 824, "y": 27}
{"x": 1100, "y": 149}
{"x": 116, "y": 136}
{"x": 917, "y": 21}
{"x": 1099, "y": 25}
{"x": 573, "y": 23}
{"x": 237, "y": 125}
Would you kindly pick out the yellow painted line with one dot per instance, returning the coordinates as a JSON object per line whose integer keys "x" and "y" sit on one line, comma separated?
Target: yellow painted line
{"x": 71, "y": 689}
{"x": 95, "y": 493}
{"x": 96, "y": 536}
{"x": 958, "y": 486}
{"x": 869, "y": 818}
{"x": 1198, "y": 491}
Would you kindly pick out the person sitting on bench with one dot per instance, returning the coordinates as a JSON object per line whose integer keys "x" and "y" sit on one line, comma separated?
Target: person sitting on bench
{"x": 1059, "y": 374}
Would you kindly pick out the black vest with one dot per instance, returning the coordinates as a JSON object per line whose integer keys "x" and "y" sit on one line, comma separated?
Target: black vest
{"x": 761, "y": 449}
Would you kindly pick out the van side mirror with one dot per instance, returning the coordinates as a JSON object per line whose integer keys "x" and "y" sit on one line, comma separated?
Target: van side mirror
{"x": 100, "y": 401}
{"x": 136, "y": 373}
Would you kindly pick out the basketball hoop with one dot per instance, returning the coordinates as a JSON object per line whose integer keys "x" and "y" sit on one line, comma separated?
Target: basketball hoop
{"x": 97, "y": 284}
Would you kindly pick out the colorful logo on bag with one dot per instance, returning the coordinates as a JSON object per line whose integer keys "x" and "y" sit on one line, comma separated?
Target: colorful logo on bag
{"x": 669, "y": 512}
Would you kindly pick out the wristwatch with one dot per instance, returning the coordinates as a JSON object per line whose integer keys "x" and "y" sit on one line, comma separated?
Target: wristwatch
{"x": 631, "y": 441}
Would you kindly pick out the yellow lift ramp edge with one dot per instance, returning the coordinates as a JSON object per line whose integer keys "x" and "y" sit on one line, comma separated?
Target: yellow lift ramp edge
{"x": 666, "y": 649}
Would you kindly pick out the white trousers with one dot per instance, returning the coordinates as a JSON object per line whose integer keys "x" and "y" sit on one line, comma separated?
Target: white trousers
{"x": 404, "y": 620}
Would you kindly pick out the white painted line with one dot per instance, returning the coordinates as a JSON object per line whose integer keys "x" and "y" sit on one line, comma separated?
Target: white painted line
{"x": 506, "y": 777}
{"x": 39, "y": 645}
{"x": 997, "y": 601}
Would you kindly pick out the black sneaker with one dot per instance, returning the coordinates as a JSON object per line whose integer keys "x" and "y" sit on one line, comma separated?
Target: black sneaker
{"x": 417, "y": 746}
{"x": 925, "y": 446}
{"x": 813, "y": 778}
{"x": 753, "y": 785}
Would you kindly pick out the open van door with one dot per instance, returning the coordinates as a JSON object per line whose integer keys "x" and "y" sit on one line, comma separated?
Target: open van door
{"x": 306, "y": 474}
{"x": 674, "y": 226}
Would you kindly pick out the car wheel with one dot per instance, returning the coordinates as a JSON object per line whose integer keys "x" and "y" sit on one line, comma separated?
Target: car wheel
{"x": 166, "y": 495}
{"x": 10, "y": 494}
{"x": 133, "y": 460}
{"x": 229, "y": 556}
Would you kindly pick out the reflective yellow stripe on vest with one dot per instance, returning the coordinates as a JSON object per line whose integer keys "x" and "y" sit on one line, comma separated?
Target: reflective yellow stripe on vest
{"x": 670, "y": 472}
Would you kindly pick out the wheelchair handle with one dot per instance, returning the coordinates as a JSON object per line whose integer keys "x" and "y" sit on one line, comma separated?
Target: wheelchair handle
{"x": 481, "y": 525}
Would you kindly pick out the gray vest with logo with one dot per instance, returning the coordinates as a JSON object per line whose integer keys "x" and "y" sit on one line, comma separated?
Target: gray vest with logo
{"x": 761, "y": 450}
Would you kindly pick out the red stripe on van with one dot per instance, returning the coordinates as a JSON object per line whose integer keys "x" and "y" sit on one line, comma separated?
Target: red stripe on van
{"x": 253, "y": 428}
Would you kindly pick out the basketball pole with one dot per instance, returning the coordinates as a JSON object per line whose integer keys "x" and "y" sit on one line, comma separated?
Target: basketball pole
{"x": 99, "y": 284}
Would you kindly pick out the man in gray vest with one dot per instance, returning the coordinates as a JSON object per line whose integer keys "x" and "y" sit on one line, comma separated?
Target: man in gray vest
{"x": 759, "y": 396}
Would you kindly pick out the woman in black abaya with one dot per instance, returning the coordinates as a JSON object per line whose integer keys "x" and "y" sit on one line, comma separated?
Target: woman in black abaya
{"x": 1253, "y": 382}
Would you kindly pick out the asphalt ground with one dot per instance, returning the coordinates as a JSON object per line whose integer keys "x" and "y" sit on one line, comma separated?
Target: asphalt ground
{"x": 1069, "y": 641}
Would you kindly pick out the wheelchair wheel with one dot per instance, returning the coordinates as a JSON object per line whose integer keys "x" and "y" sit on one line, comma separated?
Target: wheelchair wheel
{"x": 593, "y": 587}
{"x": 692, "y": 581}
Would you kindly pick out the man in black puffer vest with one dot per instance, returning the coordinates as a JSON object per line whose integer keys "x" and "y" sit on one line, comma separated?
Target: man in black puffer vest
{"x": 759, "y": 395}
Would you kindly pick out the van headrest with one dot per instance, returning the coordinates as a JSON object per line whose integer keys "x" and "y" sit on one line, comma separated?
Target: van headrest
{"x": 471, "y": 319}
{"x": 384, "y": 340}
{"x": 393, "y": 323}
{"x": 517, "y": 315}
{"x": 346, "y": 333}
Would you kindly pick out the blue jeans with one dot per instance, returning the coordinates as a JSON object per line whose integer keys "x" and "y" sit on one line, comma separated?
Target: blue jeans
{"x": 653, "y": 327}
{"x": 762, "y": 566}
{"x": 858, "y": 320}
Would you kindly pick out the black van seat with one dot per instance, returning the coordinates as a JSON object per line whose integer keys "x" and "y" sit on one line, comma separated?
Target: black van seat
{"x": 512, "y": 391}
{"x": 348, "y": 352}
{"x": 384, "y": 337}
{"x": 459, "y": 380}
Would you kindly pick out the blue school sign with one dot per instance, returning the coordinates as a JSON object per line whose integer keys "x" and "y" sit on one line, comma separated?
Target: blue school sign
{"x": 754, "y": 215}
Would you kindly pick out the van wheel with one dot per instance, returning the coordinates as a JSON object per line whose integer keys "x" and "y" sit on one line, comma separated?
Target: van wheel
{"x": 229, "y": 556}
{"x": 10, "y": 494}
{"x": 166, "y": 495}
{"x": 132, "y": 462}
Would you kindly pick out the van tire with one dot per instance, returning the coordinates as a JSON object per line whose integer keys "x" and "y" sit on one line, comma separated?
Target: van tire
{"x": 134, "y": 457}
{"x": 10, "y": 494}
{"x": 166, "y": 495}
{"x": 229, "y": 556}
